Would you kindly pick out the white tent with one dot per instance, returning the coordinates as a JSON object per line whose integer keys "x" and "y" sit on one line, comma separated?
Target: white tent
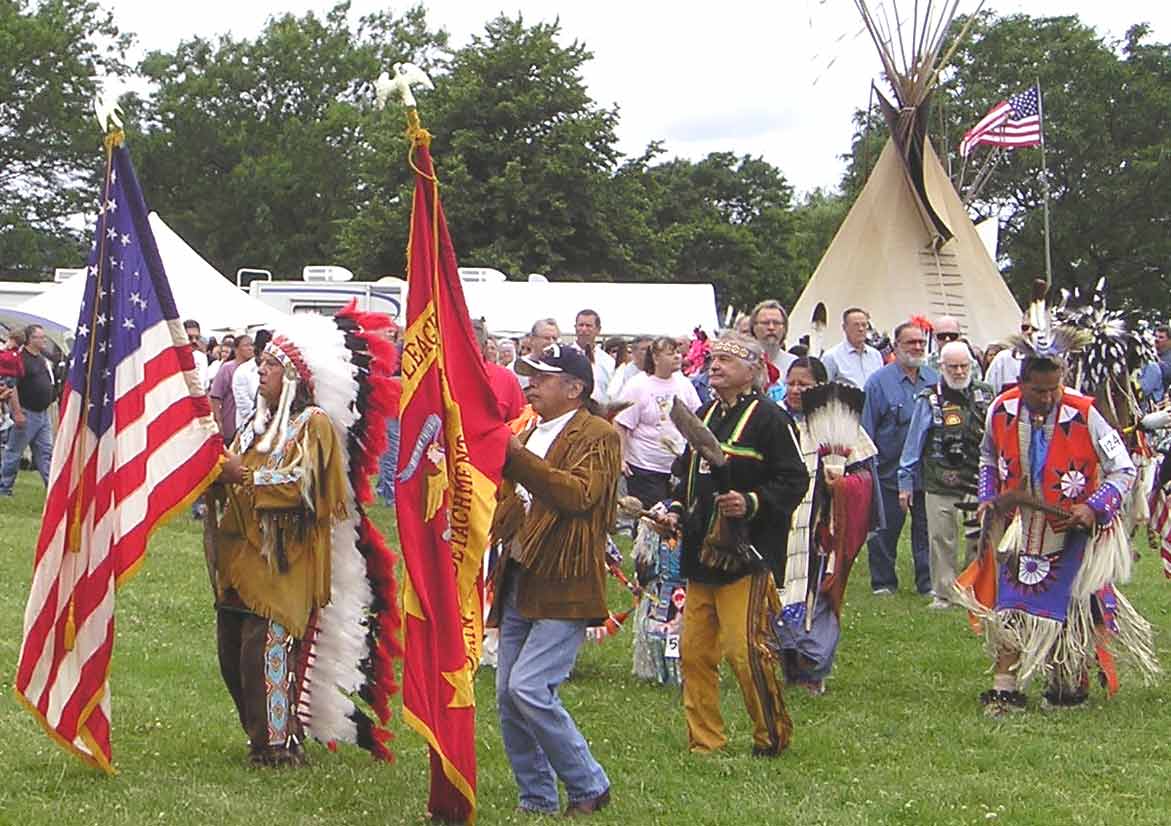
{"x": 626, "y": 309}
{"x": 200, "y": 291}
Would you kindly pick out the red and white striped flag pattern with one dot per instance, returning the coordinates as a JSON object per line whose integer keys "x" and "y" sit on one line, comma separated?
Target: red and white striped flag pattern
{"x": 136, "y": 443}
{"x": 1014, "y": 124}
{"x": 1160, "y": 523}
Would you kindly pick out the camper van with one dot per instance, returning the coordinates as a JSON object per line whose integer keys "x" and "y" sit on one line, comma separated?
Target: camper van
{"x": 325, "y": 290}
{"x": 509, "y": 307}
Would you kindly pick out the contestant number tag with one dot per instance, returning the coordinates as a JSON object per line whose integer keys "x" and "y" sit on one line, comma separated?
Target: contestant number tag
{"x": 1113, "y": 447}
{"x": 671, "y": 649}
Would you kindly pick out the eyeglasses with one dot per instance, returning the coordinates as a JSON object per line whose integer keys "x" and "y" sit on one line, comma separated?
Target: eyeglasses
{"x": 947, "y": 336}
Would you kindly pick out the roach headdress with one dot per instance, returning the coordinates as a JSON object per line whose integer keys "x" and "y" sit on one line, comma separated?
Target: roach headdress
{"x": 1047, "y": 339}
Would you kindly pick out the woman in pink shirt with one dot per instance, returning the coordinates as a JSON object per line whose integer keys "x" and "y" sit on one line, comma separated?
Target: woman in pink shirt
{"x": 650, "y": 441}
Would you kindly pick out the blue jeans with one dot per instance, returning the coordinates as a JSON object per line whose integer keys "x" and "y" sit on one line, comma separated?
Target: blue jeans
{"x": 37, "y": 431}
{"x": 885, "y": 542}
{"x": 540, "y": 738}
{"x": 388, "y": 462}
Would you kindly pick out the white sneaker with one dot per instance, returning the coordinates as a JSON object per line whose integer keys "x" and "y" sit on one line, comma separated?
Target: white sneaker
{"x": 939, "y": 604}
{"x": 883, "y": 592}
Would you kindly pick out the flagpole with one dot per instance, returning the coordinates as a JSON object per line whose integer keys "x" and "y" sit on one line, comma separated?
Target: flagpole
{"x": 1044, "y": 187}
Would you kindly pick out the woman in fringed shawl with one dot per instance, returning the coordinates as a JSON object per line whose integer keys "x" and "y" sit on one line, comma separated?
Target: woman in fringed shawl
{"x": 829, "y": 527}
{"x": 1056, "y": 474}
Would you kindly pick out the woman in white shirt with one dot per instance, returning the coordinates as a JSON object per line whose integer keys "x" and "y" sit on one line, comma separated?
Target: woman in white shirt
{"x": 650, "y": 441}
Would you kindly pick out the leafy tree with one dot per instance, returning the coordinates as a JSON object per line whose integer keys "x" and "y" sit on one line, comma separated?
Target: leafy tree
{"x": 816, "y": 221}
{"x": 252, "y": 149}
{"x": 49, "y": 142}
{"x": 726, "y": 220}
{"x": 527, "y": 161}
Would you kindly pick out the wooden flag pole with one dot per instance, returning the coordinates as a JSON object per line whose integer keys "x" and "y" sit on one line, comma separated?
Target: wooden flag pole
{"x": 1045, "y": 188}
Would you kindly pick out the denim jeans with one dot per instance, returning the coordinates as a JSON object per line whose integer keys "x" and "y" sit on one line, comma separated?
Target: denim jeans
{"x": 884, "y": 543}
{"x": 37, "y": 431}
{"x": 388, "y": 462}
{"x": 540, "y": 738}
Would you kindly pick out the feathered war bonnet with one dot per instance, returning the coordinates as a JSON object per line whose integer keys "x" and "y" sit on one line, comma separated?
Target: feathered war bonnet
{"x": 313, "y": 357}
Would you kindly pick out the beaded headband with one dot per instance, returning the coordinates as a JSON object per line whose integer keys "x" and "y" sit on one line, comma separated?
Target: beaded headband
{"x": 732, "y": 348}
{"x": 284, "y": 351}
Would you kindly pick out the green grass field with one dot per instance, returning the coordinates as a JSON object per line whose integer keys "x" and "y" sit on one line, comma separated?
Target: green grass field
{"x": 898, "y": 739}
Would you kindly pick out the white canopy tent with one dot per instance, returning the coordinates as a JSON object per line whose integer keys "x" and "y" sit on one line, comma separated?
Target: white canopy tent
{"x": 200, "y": 292}
{"x": 626, "y": 309}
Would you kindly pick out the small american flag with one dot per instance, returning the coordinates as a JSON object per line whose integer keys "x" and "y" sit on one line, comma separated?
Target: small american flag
{"x": 1014, "y": 123}
{"x": 136, "y": 443}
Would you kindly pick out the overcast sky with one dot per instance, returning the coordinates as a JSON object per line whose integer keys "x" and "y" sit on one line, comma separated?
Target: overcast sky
{"x": 775, "y": 79}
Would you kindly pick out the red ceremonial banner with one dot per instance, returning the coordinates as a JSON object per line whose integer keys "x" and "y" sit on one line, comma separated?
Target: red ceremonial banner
{"x": 450, "y": 462}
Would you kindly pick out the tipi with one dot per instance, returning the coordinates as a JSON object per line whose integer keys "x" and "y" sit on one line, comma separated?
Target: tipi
{"x": 907, "y": 245}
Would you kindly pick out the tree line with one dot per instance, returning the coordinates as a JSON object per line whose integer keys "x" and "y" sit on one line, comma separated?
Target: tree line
{"x": 268, "y": 152}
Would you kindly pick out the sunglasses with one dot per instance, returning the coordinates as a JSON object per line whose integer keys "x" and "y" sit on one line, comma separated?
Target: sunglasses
{"x": 947, "y": 336}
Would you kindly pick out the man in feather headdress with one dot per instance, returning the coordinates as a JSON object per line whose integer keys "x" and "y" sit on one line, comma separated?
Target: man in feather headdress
{"x": 292, "y": 556}
{"x": 734, "y": 516}
{"x": 1057, "y": 474}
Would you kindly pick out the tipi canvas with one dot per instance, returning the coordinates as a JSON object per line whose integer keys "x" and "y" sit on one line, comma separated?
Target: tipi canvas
{"x": 907, "y": 246}
{"x": 883, "y": 259}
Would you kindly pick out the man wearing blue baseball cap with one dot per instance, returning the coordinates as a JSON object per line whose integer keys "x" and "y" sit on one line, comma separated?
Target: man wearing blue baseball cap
{"x": 556, "y": 507}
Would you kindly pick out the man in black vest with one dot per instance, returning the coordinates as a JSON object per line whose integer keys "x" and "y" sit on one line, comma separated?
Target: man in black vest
{"x": 941, "y": 456}
{"x": 35, "y": 392}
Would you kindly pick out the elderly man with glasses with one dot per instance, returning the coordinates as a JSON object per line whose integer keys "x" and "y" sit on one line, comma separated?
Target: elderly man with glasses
{"x": 886, "y": 416}
{"x": 941, "y": 457}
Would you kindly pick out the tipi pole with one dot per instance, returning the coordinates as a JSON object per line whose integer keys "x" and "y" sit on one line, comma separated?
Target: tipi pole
{"x": 977, "y": 186}
{"x": 1044, "y": 187}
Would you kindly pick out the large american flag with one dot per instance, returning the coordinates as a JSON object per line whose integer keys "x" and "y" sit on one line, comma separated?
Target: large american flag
{"x": 1014, "y": 123}
{"x": 136, "y": 442}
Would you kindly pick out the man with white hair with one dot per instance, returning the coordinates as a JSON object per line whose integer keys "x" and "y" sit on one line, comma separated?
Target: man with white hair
{"x": 543, "y": 333}
{"x": 945, "y": 330}
{"x": 734, "y": 521}
{"x": 941, "y": 456}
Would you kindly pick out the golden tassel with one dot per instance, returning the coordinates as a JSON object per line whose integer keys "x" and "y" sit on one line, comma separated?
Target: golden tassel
{"x": 73, "y": 532}
{"x": 416, "y": 134}
{"x": 70, "y": 627}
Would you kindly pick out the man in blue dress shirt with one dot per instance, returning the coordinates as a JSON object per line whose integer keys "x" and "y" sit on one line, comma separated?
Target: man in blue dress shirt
{"x": 886, "y": 415}
{"x": 853, "y": 361}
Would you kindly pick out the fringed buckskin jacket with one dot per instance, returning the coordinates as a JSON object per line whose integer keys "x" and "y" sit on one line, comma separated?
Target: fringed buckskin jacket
{"x": 273, "y": 540}
{"x": 562, "y": 537}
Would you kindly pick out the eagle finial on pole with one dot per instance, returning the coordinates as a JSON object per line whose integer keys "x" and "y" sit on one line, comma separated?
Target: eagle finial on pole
{"x": 106, "y": 108}
{"x": 406, "y": 75}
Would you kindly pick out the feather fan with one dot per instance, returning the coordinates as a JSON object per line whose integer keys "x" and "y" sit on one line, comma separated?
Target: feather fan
{"x": 833, "y": 413}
